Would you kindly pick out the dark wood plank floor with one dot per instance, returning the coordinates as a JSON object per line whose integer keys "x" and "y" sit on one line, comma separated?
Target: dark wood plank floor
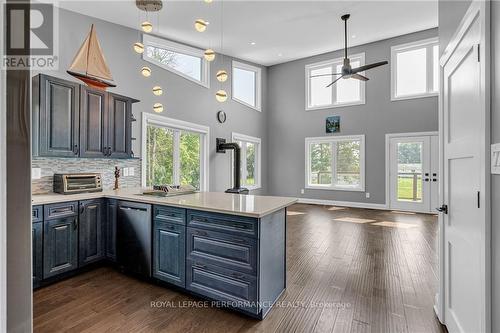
{"x": 349, "y": 270}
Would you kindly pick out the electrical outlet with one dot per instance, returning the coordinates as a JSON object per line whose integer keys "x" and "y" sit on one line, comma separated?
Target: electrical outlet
{"x": 367, "y": 194}
{"x": 131, "y": 171}
{"x": 125, "y": 172}
{"x": 302, "y": 191}
{"x": 36, "y": 173}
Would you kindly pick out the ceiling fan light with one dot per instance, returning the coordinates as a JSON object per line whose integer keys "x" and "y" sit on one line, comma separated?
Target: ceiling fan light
{"x": 222, "y": 75}
{"x": 157, "y": 91}
{"x": 158, "y": 107}
{"x": 147, "y": 26}
{"x": 200, "y": 25}
{"x": 146, "y": 71}
{"x": 139, "y": 47}
{"x": 209, "y": 55}
{"x": 221, "y": 96}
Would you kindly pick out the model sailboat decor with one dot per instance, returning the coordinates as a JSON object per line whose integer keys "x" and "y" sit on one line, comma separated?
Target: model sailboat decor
{"x": 89, "y": 64}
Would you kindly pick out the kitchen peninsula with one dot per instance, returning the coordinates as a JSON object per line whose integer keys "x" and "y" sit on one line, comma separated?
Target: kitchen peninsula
{"x": 225, "y": 247}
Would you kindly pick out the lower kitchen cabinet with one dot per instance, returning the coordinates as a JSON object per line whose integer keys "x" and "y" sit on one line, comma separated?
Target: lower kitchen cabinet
{"x": 111, "y": 218}
{"x": 60, "y": 246}
{"x": 169, "y": 252}
{"x": 37, "y": 252}
{"x": 91, "y": 232}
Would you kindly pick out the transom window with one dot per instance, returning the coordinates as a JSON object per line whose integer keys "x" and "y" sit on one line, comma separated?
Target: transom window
{"x": 174, "y": 152}
{"x": 343, "y": 93}
{"x": 415, "y": 69}
{"x": 250, "y": 160}
{"x": 180, "y": 59}
{"x": 247, "y": 85}
{"x": 335, "y": 163}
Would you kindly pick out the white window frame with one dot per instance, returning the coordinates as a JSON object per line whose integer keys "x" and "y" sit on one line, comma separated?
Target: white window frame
{"x": 333, "y": 186}
{"x": 175, "y": 124}
{"x": 426, "y": 43}
{"x": 334, "y": 63}
{"x": 258, "y": 160}
{"x": 258, "y": 84}
{"x": 153, "y": 41}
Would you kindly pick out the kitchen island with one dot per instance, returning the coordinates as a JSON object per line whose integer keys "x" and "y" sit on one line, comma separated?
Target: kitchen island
{"x": 227, "y": 248}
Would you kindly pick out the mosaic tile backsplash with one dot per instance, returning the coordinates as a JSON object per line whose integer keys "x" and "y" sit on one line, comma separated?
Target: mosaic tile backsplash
{"x": 106, "y": 167}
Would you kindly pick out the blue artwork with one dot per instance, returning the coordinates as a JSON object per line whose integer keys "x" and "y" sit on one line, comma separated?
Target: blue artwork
{"x": 333, "y": 124}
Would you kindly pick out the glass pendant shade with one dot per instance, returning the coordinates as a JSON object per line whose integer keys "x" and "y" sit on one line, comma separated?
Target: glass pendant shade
{"x": 200, "y": 25}
{"x": 147, "y": 26}
{"x": 221, "y": 96}
{"x": 222, "y": 76}
{"x": 158, "y": 107}
{"x": 209, "y": 55}
{"x": 139, "y": 47}
{"x": 157, "y": 91}
{"x": 146, "y": 71}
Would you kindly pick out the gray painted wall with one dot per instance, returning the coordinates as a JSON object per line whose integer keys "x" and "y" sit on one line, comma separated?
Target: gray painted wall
{"x": 450, "y": 15}
{"x": 182, "y": 99}
{"x": 290, "y": 124}
{"x": 495, "y": 179}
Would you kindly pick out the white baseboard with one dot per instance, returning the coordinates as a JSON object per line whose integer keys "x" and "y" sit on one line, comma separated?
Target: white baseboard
{"x": 350, "y": 204}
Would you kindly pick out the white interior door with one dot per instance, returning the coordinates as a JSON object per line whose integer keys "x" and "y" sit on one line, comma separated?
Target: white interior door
{"x": 413, "y": 173}
{"x": 464, "y": 225}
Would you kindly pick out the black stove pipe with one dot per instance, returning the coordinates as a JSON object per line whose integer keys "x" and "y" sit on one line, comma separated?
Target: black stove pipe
{"x": 222, "y": 146}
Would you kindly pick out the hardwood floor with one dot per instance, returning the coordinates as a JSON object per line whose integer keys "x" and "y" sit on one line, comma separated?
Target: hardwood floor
{"x": 349, "y": 270}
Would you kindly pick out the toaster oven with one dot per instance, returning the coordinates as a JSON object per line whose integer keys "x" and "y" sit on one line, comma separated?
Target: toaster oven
{"x": 71, "y": 183}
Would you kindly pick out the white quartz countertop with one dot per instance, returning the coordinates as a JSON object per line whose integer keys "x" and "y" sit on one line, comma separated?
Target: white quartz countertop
{"x": 236, "y": 204}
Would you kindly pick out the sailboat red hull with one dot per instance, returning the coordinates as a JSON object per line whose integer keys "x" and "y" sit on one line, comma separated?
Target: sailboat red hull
{"x": 92, "y": 82}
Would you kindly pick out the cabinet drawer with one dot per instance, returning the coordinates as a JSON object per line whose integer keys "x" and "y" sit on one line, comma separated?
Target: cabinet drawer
{"x": 224, "y": 250}
{"x": 37, "y": 214}
{"x": 236, "y": 289}
{"x": 237, "y": 225}
{"x": 61, "y": 210}
{"x": 170, "y": 214}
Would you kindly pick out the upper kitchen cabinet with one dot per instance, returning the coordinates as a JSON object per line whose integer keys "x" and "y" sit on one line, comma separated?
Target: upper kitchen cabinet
{"x": 73, "y": 120}
{"x": 119, "y": 126}
{"x": 93, "y": 107}
{"x": 55, "y": 117}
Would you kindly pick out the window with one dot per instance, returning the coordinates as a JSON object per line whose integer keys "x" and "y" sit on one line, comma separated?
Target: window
{"x": 180, "y": 59}
{"x": 250, "y": 160}
{"x": 415, "y": 69}
{"x": 342, "y": 93}
{"x": 335, "y": 163}
{"x": 247, "y": 85}
{"x": 174, "y": 152}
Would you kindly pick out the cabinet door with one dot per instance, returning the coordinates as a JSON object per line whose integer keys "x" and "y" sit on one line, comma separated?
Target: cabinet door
{"x": 169, "y": 252}
{"x": 111, "y": 212}
{"x": 37, "y": 252}
{"x": 57, "y": 113}
{"x": 93, "y": 106}
{"x": 119, "y": 143}
{"x": 91, "y": 232}
{"x": 60, "y": 246}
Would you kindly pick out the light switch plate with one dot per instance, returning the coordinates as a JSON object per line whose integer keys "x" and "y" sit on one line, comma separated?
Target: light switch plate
{"x": 131, "y": 171}
{"x": 495, "y": 159}
{"x": 36, "y": 173}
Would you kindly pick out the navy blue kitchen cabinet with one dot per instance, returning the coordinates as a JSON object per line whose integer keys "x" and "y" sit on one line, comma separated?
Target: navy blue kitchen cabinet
{"x": 60, "y": 239}
{"x": 91, "y": 232}
{"x": 37, "y": 245}
{"x": 169, "y": 252}
{"x": 111, "y": 217}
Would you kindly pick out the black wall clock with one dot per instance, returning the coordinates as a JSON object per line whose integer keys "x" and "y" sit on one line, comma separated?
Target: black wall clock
{"x": 221, "y": 117}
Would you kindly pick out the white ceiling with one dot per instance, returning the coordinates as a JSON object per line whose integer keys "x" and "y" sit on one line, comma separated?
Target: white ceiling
{"x": 281, "y": 30}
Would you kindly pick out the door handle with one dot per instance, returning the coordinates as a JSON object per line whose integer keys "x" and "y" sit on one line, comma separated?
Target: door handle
{"x": 443, "y": 209}
{"x": 426, "y": 179}
{"x": 75, "y": 149}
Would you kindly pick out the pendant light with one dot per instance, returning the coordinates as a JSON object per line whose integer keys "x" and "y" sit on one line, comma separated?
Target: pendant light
{"x": 139, "y": 47}
{"x": 158, "y": 107}
{"x": 209, "y": 55}
{"x": 200, "y": 25}
{"x": 147, "y": 26}
{"x": 222, "y": 75}
{"x": 146, "y": 71}
{"x": 157, "y": 91}
{"x": 221, "y": 96}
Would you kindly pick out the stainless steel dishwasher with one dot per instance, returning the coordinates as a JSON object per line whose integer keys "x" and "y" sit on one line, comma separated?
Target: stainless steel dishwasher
{"x": 133, "y": 237}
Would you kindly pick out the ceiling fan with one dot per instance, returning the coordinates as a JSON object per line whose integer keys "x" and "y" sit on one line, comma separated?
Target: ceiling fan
{"x": 347, "y": 71}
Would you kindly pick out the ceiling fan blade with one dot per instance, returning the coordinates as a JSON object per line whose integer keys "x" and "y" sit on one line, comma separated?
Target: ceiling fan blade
{"x": 359, "y": 77}
{"x": 334, "y": 81}
{"x": 367, "y": 67}
{"x": 319, "y": 75}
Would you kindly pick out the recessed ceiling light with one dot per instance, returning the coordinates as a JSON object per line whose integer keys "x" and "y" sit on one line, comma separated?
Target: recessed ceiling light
{"x": 280, "y": 54}
{"x": 253, "y": 43}
{"x": 353, "y": 36}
